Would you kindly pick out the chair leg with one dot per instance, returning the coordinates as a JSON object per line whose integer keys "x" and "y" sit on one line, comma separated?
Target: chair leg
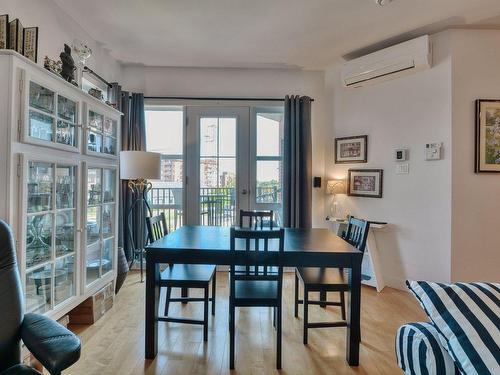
{"x": 214, "y": 288}
{"x": 184, "y": 294}
{"x": 278, "y": 338}
{"x": 306, "y": 313}
{"x": 323, "y": 297}
{"x": 142, "y": 271}
{"x": 231, "y": 335}
{"x": 274, "y": 317}
{"x": 342, "y": 303}
{"x": 296, "y": 311}
{"x": 167, "y": 299}
{"x": 205, "y": 314}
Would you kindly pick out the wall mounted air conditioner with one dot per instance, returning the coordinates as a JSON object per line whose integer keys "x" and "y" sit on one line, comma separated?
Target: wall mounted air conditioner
{"x": 388, "y": 63}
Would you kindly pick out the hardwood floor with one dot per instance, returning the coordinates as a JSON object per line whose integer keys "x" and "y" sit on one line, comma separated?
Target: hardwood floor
{"x": 115, "y": 344}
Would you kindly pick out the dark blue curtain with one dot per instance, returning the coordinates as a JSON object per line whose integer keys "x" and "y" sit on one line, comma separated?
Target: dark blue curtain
{"x": 297, "y": 175}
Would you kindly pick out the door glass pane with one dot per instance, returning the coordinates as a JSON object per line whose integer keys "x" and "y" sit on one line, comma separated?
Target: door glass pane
{"x": 65, "y": 186}
{"x": 41, "y": 98}
{"x": 41, "y": 126}
{"x": 94, "y": 186}
{"x": 38, "y": 293}
{"x": 110, "y": 126}
{"x": 268, "y": 181}
{"x": 94, "y": 142}
{"x": 107, "y": 255}
{"x": 109, "y": 182}
{"x": 93, "y": 224}
{"x": 65, "y": 232}
{"x": 93, "y": 262}
{"x": 65, "y": 133}
{"x": 217, "y": 170}
{"x": 38, "y": 239}
{"x": 66, "y": 109}
{"x": 109, "y": 146}
{"x": 108, "y": 219}
{"x": 64, "y": 279}
{"x": 96, "y": 120}
{"x": 269, "y": 137}
{"x": 164, "y": 134}
{"x": 40, "y": 183}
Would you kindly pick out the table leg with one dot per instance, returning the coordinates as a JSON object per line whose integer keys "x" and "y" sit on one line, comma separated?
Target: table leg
{"x": 353, "y": 316}
{"x": 152, "y": 302}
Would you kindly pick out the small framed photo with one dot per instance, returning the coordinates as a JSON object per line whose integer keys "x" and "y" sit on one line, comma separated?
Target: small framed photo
{"x": 487, "y": 158}
{"x": 16, "y": 36}
{"x": 365, "y": 183}
{"x": 4, "y": 31}
{"x": 30, "y": 47}
{"x": 351, "y": 149}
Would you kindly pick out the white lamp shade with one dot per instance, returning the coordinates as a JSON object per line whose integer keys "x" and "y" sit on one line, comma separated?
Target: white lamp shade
{"x": 140, "y": 164}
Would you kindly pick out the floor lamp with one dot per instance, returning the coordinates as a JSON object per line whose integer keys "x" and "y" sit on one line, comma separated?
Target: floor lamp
{"x": 138, "y": 167}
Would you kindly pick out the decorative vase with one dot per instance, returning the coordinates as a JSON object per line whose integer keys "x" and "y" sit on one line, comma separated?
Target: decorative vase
{"x": 122, "y": 269}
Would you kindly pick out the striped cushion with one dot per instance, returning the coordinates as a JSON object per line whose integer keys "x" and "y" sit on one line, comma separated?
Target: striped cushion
{"x": 419, "y": 351}
{"x": 467, "y": 317}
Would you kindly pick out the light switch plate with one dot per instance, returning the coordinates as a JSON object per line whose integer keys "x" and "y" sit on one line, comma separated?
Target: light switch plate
{"x": 402, "y": 168}
{"x": 433, "y": 151}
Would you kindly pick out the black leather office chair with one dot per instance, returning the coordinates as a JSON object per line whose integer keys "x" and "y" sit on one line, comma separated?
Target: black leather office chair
{"x": 55, "y": 347}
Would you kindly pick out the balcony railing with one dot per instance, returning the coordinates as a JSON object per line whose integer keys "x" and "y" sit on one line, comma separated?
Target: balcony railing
{"x": 217, "y": 205}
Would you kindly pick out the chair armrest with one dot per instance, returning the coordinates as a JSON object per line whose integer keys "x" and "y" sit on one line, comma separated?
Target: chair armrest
{"x": 54, "y": 346}
{"x": 419, "y": 351}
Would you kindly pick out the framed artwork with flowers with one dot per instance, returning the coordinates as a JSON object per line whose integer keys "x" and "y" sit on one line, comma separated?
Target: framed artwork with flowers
{"x": 487, "y": 136}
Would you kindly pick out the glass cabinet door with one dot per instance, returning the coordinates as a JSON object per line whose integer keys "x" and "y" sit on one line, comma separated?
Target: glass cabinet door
{"x": 100, "y": 222}
{"x": 101, "y": 133}
{"x": 52, "y": 117}
{"x": 50, "y": 235}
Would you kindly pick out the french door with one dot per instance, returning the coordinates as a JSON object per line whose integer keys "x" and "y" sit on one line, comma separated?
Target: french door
{"x": 233, "y": 162}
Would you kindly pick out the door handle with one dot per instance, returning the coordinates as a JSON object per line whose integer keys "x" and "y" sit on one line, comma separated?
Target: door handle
{"x": 245, "y": 191}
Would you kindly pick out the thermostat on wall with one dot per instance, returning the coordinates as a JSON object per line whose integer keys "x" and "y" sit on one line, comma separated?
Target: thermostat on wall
{"x": 401, "y": 154}
{"x": 433, "y": 151}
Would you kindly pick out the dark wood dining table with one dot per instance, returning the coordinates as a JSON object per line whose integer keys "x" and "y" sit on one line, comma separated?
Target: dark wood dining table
{"x": 192, "y": 244}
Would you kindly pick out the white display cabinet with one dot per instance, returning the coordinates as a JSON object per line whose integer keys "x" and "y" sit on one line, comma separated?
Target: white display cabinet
{"x": 59, "y": 192}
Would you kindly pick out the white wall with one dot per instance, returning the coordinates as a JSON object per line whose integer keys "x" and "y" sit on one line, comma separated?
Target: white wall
{"x": 476, "y": 197}
{"x": 255, "y": 83}
{"x": 57, "y": 28}
{"x": 403, "y": 113}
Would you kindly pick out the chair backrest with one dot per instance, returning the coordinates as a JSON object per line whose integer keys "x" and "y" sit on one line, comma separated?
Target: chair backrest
{"x": 357, "y": 232}
{"x": 11, "y": 295}
{"x": 256, "y": 219}
{"x": 157, "y": 227}
{"x": 242, "y": 239}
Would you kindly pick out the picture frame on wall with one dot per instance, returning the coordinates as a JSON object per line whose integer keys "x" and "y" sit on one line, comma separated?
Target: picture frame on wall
{"x": 351, "y": 149}
{"x": 30, "y": 43}
{"x": 4, "y": 31}
{"x": 487, "y": 156}
{"x": 16, "y": 36}
{"x": 366, "y": 183}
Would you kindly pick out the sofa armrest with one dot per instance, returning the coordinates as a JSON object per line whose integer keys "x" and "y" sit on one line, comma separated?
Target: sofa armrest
{"x": 54, "y": 346}
{"x": 419, "y": 351}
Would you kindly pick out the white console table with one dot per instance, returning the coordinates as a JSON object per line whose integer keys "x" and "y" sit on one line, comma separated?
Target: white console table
{"x": 371, "y": 271}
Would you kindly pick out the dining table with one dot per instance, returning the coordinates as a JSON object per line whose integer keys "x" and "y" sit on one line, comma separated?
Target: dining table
{"x": 196, "y": 244}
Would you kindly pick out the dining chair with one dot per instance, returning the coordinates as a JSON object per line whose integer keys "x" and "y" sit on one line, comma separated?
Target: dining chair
{"x": 254, "y": 218}
{"x": 324, "y": 280}
{"x": 256, "y": 287}
{"x": 189, "y": 276}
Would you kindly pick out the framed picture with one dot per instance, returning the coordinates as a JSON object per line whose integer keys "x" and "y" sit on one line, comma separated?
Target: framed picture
{"x": 365, "y": 183}
{"x": 4, "y": 31}
{"x": 351, "y": 149}
{"x": 16, "y": 36}
{"x": 30, "y": 44}
{"x": 487, "y": 136}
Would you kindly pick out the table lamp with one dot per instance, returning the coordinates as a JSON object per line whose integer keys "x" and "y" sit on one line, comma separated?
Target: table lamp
{"x": 334, "y": 187}
{"x": 138, "y": 167}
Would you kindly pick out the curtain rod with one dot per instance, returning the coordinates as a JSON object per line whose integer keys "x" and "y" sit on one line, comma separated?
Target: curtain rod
{"x": 221, "y": 99}
{"x": 90, "y": 71}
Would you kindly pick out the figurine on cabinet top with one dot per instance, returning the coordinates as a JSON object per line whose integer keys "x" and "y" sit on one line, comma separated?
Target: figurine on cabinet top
{"x": 68, "y": 65}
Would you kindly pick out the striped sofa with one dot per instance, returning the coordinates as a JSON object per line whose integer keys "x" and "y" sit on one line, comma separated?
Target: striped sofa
{"x": 463, "y": 335}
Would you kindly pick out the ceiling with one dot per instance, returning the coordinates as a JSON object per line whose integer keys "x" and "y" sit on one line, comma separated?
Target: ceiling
{"x": 308, "y": 34}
